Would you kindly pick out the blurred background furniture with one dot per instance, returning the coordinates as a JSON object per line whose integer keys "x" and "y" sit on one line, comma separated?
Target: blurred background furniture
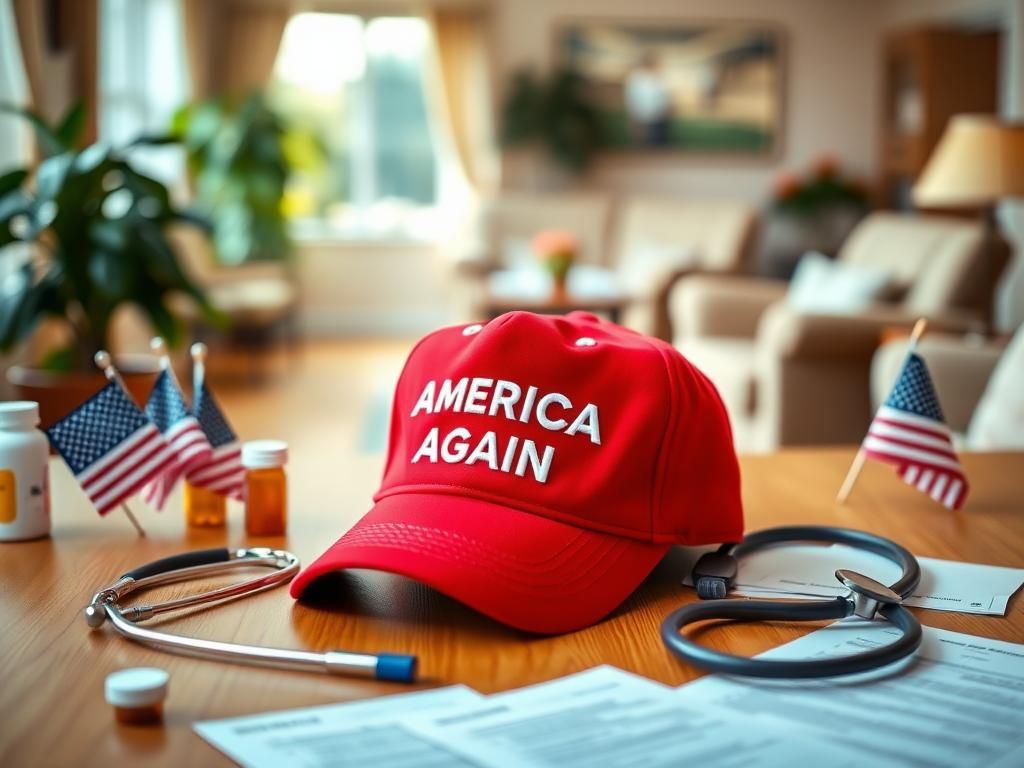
{"x": 500, "y": 235}
{"x": 978, "y": 163}
{"x": 977, "y": 381}
{"x": 930, "y": 73}
{"x": 589, "y": 289}
{"x": 258, "y": 300}
{"x": 644, "y": 244}
{"x": 792, "y": 377}
{"x": 657, "y": 240}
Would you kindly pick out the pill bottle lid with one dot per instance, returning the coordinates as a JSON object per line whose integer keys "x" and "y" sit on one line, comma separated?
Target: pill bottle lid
{"x": 264, "y": 454}
{"x": 19, "y": 413}
{"x": 136, "y": 687}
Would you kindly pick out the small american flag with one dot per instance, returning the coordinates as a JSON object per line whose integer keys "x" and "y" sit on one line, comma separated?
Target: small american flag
{"x": 167, "y": 409}
{"x": 222, "y": 472}
{"x": 910, "y": 432}
{"x": 111, "y": 446}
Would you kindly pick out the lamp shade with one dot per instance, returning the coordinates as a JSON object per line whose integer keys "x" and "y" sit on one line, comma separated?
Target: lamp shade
{"x": 979, "y": 160}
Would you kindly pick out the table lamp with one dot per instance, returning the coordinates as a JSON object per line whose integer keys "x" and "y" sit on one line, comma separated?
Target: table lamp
{"x": 978, "y": 162}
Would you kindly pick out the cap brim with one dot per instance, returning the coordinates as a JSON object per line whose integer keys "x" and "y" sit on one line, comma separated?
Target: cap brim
{"x": 523, "y": 570}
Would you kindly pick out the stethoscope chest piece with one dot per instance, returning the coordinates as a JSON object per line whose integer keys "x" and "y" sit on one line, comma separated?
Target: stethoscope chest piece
{"x": 866, "y": 594}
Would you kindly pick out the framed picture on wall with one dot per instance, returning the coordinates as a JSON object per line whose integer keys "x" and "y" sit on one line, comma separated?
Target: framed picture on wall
{"x": 700, "y": 86}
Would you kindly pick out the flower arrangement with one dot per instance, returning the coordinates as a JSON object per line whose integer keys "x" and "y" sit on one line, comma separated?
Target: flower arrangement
{"x": 823, "y": 188}
{"x": 557, "y": 251}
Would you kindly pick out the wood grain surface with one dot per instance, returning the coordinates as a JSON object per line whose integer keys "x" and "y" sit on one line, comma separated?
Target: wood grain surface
{"x": 52, "y": 667}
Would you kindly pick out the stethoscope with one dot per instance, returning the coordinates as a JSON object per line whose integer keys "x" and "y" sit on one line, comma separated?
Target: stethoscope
{"x": 866, "y": 598}
{"x": 106, "y": 606}
{"x": 712, "y": 574}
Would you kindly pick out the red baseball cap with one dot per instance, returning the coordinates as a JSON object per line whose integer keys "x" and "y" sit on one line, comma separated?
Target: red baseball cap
{"x": 540, "y": 466}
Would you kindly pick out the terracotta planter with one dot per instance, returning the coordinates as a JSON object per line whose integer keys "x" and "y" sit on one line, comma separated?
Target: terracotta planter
{"x": 59, "y": 393}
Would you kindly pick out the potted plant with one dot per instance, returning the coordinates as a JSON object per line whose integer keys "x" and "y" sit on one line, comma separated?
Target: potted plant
{"x": 239, "y": 161}
{"x": 89, "y": 234}
{"x": 813, "y": 212}
{"x": 553, "y": 113}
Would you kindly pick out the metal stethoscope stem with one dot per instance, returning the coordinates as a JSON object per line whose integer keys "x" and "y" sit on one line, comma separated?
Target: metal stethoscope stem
{"x": 105, "y": 605}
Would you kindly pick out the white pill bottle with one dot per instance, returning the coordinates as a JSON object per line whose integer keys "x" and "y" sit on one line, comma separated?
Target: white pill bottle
{"x": 24, "y": 473}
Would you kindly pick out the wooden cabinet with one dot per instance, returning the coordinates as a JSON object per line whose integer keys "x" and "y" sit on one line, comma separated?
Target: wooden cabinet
{"x": 930, "y": 74}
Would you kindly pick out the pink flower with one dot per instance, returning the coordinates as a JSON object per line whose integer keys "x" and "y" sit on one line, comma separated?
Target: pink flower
{"x": 785, "y": 186}
{"x": 549, "y": 243}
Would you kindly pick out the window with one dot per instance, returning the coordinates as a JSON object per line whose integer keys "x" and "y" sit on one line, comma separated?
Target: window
{"x": 357, "y": 83}
{"x": 142, "y": 79}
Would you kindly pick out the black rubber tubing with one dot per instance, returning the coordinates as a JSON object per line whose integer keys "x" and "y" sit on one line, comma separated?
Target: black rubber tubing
{"x": 771, "y": 610}
{"x": 177, "y": 562}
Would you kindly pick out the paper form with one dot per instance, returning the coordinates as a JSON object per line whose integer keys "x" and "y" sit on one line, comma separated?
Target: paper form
{"x": 808, "y": 570}
{"x": 359, "y": 733}
{"x": 959, "y": 702}
{"x": 609, "y": 718}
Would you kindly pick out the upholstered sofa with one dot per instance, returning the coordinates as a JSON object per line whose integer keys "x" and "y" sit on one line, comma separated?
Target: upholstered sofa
{"x": 790, "y": 377}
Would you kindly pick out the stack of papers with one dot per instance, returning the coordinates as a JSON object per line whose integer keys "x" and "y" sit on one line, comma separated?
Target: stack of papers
{"x": 958, "y": 702}
{"x": 808, "y": 571}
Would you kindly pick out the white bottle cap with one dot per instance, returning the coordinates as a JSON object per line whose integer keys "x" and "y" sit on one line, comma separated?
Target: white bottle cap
{"x": 136, "y": 687}
{"x": 19, "y": 413}
{"x": 264, "y": 454}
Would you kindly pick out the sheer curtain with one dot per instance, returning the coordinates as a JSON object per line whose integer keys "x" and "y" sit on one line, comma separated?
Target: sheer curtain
{"x": 463, "y": 93}
{"x": 15, "y": 139}
{"x": 460, "y": 95}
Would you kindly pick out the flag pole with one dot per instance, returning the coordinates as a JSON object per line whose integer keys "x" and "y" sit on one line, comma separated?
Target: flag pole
{"x": 159, "y": 348}
{"x": 106, "y": 364}
{"x": 132, "y": 519}
{"x": 198, "y": 352}
{"x": 858, "y": 461}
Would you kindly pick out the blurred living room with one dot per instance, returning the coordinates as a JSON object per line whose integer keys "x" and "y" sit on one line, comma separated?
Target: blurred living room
{"x": 345, "y": 177}
{"x": 658, "y": 272}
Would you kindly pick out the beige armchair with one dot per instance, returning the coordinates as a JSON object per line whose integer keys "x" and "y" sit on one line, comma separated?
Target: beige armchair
{"x": 793, "y": 378}
{"x": 657, "y": 240}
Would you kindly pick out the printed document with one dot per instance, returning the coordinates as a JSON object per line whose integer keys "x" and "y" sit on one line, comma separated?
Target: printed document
{"x": 607, "y": 717}
{"x": 959, "y": 702}
{"x": 359, "y": 733}
{"x": 808, "y": 571}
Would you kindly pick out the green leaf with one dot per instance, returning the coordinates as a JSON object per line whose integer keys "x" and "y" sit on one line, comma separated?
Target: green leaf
{"x": 163, "y": 321}
{"x": 154, "y": 140}
{"x": 60, "y": 359}
{"x": 49, "y": 142}
{"x": 51, "y": 173}
{"x": 71, "y": 127}
{"x": 12, "y": 180}
{"x": 113, "y": 273}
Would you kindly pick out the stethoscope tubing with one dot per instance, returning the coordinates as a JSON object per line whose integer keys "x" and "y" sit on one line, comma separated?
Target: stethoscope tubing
{"x": 711, "y": 660}
{"x": 105, "y": 607}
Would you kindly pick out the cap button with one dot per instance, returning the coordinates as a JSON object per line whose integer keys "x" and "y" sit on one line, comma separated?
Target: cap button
{"x": 470, "y": 330}
{"x": 585, "y": 341}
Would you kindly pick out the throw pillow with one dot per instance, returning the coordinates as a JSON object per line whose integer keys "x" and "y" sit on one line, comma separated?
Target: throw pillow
{"x": 825, "y": 286}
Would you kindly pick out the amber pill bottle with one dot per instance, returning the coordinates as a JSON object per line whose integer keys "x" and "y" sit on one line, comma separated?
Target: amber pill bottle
{"x": 203, "y": 507}
{"x": 266, "y": 487}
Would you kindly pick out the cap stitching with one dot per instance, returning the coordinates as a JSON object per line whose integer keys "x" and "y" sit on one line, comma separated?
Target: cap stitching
{"x": 448, "y": 534}
{"x": 452, "y": 544}
{"x": 454, "y": 489}
{"x": 606, "y": 558}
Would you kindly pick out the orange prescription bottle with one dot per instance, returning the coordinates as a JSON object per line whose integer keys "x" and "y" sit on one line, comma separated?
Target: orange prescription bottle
{"x": 203, "y": 507}
{"x": 266, "y": 488}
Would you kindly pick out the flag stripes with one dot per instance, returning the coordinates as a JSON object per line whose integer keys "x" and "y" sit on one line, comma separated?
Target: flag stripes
{"x": 909, "y": 431}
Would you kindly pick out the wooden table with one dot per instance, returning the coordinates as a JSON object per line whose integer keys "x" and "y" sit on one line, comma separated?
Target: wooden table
{"x": 52, "y": 667}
